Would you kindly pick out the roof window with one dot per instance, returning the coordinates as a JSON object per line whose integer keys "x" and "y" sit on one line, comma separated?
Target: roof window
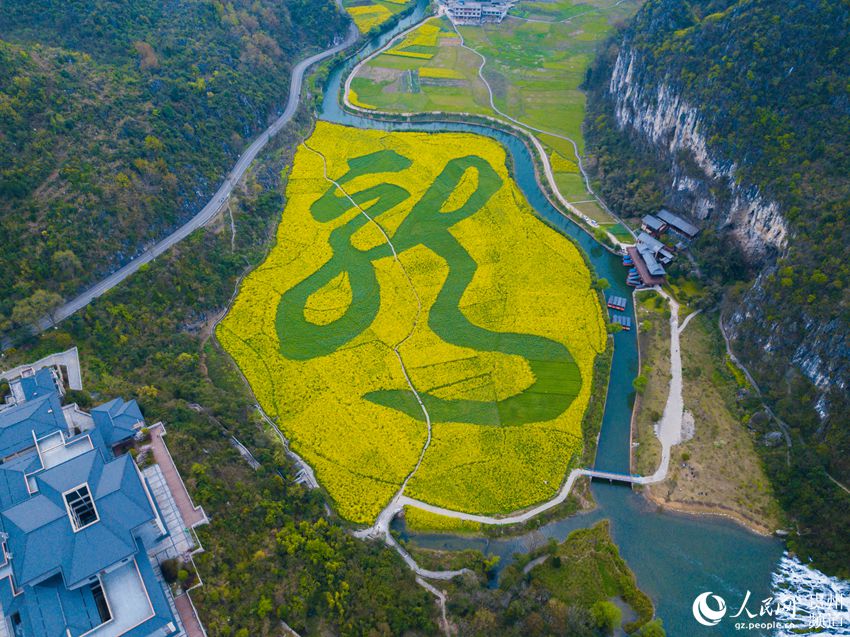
{"x": 80, "y": 507}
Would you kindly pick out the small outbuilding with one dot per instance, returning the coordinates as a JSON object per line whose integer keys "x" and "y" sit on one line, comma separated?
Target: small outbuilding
{"x": 678, "y": 224}
{"x": 652, "y": 225}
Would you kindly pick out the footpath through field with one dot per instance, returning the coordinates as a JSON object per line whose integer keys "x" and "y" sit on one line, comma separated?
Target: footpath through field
{"x": 669, "y": 434}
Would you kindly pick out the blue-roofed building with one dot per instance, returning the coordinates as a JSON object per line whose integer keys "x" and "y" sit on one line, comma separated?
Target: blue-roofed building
{"x": 81, "y": 528}
{"x": 118, "y": 420}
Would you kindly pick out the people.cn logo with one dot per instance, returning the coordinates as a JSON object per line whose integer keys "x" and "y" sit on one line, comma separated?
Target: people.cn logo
{"x": 703, "y": 611}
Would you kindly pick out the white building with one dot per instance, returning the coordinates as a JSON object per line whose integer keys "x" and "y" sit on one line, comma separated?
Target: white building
{"x": 477, "y": 11}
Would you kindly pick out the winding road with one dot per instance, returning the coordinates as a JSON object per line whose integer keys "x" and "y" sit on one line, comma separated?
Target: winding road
{"x": 218, "y": 200}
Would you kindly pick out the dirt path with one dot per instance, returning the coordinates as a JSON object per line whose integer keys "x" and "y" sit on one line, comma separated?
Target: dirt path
{"x": 441, "y": 602}
{"x": 688, "y": 320}
{"x": 515, "y": 124}
{"x": 838, "y": 484}
{"x": 543, "y": 155}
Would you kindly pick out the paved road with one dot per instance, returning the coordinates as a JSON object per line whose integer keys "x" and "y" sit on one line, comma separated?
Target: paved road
{"x": 218, "y": 200}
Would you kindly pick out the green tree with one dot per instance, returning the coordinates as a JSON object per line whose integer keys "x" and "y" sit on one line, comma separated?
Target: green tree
{"x": 30, "y": 310}
{"x": 66, "y": 262}
{"x": 607, "y": 616}
{"x": 264, "y": 607}
{"x": 653, "y": 629}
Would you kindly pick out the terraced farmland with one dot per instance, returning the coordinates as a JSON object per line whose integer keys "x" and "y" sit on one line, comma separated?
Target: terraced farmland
{"x": 419, "y": 287}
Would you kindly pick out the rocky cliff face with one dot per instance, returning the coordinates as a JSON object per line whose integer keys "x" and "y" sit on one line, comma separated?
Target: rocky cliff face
{"x": 706, "y": 186}
{"x": 818, "y": 349}
{"x": 701, "y": 183}
{"x": 737, "y": 115}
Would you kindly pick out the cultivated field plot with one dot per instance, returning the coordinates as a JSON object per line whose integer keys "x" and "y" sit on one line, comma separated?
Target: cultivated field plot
{"x": 537, "y": 59}
{"x": 368, "y": 14}
{"x": 490, "y": 311}
{"x": 427, "y": 70}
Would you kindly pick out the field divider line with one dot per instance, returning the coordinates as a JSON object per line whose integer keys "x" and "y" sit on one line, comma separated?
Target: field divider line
{"x": 391, "y": 508}
{"x": 529, "y": 127}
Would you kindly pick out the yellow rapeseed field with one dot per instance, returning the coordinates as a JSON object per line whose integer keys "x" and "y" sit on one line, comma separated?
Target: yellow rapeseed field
{"x": 366, "y": 17}
{"x": 420, "y": 521}
{"x": 329, "y": 375}
{"x": 440, "y": 73}
{"x": 560, "y": 164}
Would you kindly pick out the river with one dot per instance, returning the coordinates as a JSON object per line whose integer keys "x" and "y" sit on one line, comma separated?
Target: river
{"x": 674, "y": 557}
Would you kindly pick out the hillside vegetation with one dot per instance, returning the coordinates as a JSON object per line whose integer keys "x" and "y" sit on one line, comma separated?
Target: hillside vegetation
{"x": 119, "y": 119}
{"x": 770, "y": 81}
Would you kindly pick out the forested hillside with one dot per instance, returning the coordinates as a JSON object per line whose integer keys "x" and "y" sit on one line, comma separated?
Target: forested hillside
{"x": 118, "y": 119}
{"x": 737, "y": 114}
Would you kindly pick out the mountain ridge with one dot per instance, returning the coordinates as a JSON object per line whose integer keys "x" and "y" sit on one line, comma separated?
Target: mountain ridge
{"x": 733, "y": 113}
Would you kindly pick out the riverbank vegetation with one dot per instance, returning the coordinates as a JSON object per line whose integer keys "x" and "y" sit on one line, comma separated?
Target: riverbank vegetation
{"x": 653, "y": 383}
{"x": 272, "y": 551}
{"x": 491, "y": 311}
{"x": 580, "y": 587}
{"x": 117, "y": 122}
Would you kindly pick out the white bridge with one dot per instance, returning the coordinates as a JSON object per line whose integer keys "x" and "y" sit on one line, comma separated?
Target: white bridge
{"x": 618, "y": 477}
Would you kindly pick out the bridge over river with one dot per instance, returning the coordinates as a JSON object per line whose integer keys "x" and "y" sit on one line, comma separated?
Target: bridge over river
{"x": 627, "y": 478}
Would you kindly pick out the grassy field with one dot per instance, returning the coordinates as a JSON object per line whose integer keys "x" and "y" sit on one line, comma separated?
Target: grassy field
{"x": 653, "y": 315}
{"x": 369, "y": 14}
{"x": 491, "y": 311}
{"x": 718, "y": 469}
{"x": 534, "y": 69}
{"x": 441, "y": 75}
